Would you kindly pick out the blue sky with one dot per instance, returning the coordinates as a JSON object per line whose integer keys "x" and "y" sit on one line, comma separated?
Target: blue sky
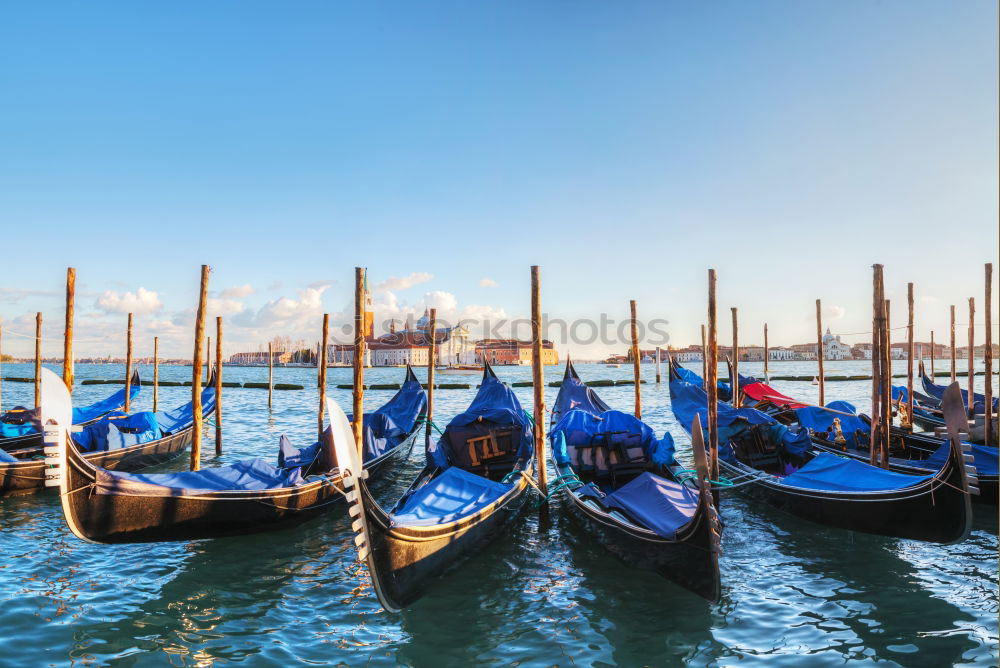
{"x": 624, "y": 147}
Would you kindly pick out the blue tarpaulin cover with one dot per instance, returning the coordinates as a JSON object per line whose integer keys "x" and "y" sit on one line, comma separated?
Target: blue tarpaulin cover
{"x": 985, "y": 458}
{"x": 832, "y": 473}
{"x": 574, "y": 394}
{"x": 113, "y": 403}
{"x": 182, "y": 417}
{"x": 249, "y": 474}
{"x": 494, "y": 403}
{"x": 937, "y": 391}
{"x": 80, "y": 415}
{"x": 689, "y": 400}
{"x": 117, "y": 430}
{"x": 452, "y": 494}
{"x": 661, "y": 505}
{"x": 382, "y": 430}
{"x": 821, "y": 419}
{"x": 579, "y": 427}
{"x": 4, "y": 457}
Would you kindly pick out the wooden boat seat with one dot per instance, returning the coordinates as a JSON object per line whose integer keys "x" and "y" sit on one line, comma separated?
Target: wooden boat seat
{"x": 760, "y": 453}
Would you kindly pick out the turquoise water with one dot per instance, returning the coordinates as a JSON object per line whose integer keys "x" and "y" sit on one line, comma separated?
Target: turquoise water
{"x": 794, "y": 593}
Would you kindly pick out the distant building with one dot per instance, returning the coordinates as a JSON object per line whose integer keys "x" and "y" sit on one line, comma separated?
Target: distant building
{"x": 513, "y": 352}
{"x": 259, "y": 358}
{"x": 410, "y": 346}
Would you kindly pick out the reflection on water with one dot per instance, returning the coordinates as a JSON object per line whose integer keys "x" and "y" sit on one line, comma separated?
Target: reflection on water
{"x": 548, "y": 595}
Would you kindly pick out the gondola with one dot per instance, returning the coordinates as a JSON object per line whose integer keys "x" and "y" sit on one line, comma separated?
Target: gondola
{"x": 839, "y": 429}
{"x": 115, "y": 441}
{"x": 769, "y": 461}
{"x": 19, "y": 430}
{"x": 626, "y": 488}
{"x": 472, "y": 487}
{"x": 249, "y": 496}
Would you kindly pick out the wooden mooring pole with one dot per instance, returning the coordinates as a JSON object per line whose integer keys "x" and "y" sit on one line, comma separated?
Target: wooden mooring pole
{"x": 953, "y": 353}
{"x": 218, "y": 385}
{"x": 767, "y": 355}
{"x": 431, "y": 350}
{"x": 270, "y": 374}
{"x": 321, "y": 368}
{"x": 199, "y": 338}
{"x": 538, "y": 379}
{"x": 704, "y": 359}
{"x": 820, "y": 352}
{"x": 932, "y": 354}
{"x": 886, "y": 391}
{"x": 359, "y": 359}
{"x": 156, "y": 372}
{"x": 972, "y": 358}
{"x": 38, "y": 359}
{"x": 712, "y": 385}
{"x": 988, "y": 358}
{"x": 128, "y": 365}
{"x": 909, "y": 357}
{"x": 878, "y": 313}
{"x": 636, "y": 370}
{"x": 68, "y": 331}
{"x": 657, "y": 365}
{"x": 735, "y": 389}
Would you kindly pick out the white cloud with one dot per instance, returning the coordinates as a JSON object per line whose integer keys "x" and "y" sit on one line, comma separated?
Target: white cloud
{"x": 487, "y": 283}
{"x": 238, "y": 292}
{"x": 397, "y": 283}
{"x": 224, "y": 307}
{"x": 444, "y": 302}
{"x": 287, "y": 315}
{"x": 833, "y": 312}
{"x": 139, "y": 302}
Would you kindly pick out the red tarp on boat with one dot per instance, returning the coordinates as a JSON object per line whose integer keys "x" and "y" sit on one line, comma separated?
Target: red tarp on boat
{"x": 763, "y": 392}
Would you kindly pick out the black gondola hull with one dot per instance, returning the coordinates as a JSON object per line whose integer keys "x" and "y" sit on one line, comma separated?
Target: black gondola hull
{"x": 126, "y": 518}
{"x": 937, "y": 511}
{"x": 690, "y": 560}
{"x": 406, "y": 560}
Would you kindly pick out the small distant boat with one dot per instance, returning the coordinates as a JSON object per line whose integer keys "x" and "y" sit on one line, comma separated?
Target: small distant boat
{"x": 460, "y": 369}
{"x": 472, "y": 487}
{"x": 250, "y": 496}
{"x": 613, "y": 365}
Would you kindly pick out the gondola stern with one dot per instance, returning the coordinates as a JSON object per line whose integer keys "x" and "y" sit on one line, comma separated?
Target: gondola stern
{"x": 964, "y": 475}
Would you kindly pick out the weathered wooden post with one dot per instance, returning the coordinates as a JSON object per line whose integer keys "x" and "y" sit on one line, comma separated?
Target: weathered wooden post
{"x": 712, "y": 385}
{"x": 199, "y": 338}
{"x": 218, "y": 385}
{"x": 953, "y": 353}
{"x": 988, "y": 360}
{"x": 704, "y": 360}
{"x": 431, "y": 350}
{"x": 909, "y": 357}
{"x": 636, "y": 371}
{"x": 359, "y": 358}
{"x": 932, "y": 354}
{"x": 156, "y": 372}
{"x": 972, "y": 357}
{"x": 270, "y": 373}
{"x": 128, "y": 365}
{"x": 886, "y": 391}
{"x": 657, "y": 365}
{"x": 208, "y": 358}
{"x": 38, "y": 359}
{"x": 68, "y": 332}
{"x": 321, "y": 369}
{"x": 820, "y": 353}
{"x": 538, "y": 380}
{"x": 767, "y": 355}
{"x": 878, "y": 309}
{"x": 735, "y": 389}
